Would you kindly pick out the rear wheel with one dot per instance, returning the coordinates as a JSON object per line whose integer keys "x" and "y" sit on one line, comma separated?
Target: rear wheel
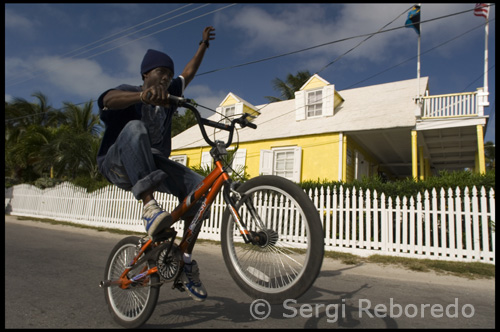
{"x": 133, "y": 306}
{"x": 287, "y": 258}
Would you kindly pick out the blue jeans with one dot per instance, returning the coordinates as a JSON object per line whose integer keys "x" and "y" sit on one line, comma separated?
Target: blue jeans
{"x": 132, "y": 164}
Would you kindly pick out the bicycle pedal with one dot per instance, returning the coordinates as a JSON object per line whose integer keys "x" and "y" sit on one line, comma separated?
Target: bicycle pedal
{"x": 167, "y": 234}
{"x": 179, "y": 286}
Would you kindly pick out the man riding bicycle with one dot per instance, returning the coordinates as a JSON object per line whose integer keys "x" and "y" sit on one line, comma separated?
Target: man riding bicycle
{"x": 137, "y": 143}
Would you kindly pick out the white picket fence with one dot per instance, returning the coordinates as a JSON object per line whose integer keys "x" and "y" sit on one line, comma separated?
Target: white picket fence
{"x": 448, "y": 225}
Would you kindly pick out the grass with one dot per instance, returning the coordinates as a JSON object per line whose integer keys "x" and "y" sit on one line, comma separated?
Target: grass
{"x": 470, "y": 270}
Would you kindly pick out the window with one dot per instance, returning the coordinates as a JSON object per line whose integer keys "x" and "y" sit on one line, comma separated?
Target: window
{"x": 228, "y": 112}
{"x": 285, "y": 162}
{"x": 314, "y": 104}
{"x": 181, "y": 159}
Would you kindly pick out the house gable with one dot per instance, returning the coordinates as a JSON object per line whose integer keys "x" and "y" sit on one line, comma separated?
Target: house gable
{"x": 314, "y": 82}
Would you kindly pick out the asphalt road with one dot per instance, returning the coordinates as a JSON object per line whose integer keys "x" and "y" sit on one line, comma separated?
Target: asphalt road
{"x": 52, "y": 275}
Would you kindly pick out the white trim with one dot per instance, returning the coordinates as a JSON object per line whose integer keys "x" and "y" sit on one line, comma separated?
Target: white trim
{"x": 341, "y": 154}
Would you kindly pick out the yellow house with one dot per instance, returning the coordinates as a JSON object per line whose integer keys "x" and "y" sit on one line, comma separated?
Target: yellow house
{"x": 344, "y": 135}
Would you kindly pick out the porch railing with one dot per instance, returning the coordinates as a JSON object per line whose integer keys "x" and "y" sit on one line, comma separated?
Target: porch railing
{"x": 451, "y": 105}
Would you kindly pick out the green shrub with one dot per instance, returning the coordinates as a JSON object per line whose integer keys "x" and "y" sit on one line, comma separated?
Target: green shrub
{"x": 409, "y": 187}
{"x": 89, "y": 183}
{"x": 46, "y": 182}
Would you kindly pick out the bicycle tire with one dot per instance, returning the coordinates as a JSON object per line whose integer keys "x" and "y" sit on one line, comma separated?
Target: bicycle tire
{"x": 288, "y": 264}
{"x": 130, "y": 307}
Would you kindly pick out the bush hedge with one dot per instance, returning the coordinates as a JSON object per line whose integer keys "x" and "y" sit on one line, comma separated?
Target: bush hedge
{"x": 409, "y": 187}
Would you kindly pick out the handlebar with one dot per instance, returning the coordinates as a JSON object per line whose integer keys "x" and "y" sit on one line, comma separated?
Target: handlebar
{"x": 202, "y": 122}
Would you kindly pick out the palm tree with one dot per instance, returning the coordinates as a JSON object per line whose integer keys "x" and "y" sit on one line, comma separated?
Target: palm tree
{"x": 77, "y": 142}
{"x": 287, "y": 88}
{"x": 81, "y": 119}
{"x": 26, "y": 131}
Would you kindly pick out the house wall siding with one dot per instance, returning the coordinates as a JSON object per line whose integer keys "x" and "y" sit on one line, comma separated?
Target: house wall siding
{"x": 319, "y": 155}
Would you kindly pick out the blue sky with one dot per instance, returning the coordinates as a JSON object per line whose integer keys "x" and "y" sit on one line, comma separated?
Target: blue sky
{"x": 73, "y": 52}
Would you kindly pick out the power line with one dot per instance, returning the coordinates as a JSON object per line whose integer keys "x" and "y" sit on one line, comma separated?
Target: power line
{"x": 427, "y": 51}
{"x": 325, "y": 44}
{"x": 134, "y": 40}
{"x": 412, "y": 58}
{"x": 364, "y": 40}
{"x": 477, "y": 79}
{"x": 108, "y": 37}
{"x": 369, "y": 36}
{"x": 132, "y": 27}
{"x": 168, "y": 28}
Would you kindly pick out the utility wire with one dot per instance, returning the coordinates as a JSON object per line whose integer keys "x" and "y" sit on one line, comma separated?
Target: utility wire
{"x": 325, "y": 44}
{"x": 108, "y": 37}
{"x": 369, "y": 35}
{"x": 413, "y": 57}
{"x": 132, "y": 27}
{"x": 364, "y": 40}
{"x": 134, "y": 40}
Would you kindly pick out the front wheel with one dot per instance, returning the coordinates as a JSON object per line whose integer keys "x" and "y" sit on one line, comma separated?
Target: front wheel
{"x": 288, "y": 257}
{"x": 133, "y": 306}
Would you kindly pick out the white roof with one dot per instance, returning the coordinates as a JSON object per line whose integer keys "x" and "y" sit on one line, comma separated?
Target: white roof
{"x": 381, "y": 106}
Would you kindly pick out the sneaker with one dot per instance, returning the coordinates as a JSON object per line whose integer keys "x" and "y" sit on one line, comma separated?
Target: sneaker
{"x": 155, "y": 219}
{"x": 190, "y": 278}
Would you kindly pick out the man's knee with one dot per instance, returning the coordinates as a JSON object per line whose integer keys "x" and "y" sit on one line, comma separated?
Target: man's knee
{"x": 135, "y": 126}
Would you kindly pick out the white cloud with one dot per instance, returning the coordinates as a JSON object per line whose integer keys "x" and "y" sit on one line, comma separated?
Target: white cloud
{"x": 301, "y": 26}
{"x": 79, "y": 77}
{"x": 16, "y": 21}
{"x": 295, "y": 27}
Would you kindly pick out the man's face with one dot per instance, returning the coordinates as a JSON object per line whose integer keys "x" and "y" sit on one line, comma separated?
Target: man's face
{"x": 158, "y": 76}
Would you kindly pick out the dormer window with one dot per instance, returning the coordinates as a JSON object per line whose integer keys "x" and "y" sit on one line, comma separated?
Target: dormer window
{"x": 316, "y": 98}
{"x": 314, "y": 106}
{"x": 233, "y": 106}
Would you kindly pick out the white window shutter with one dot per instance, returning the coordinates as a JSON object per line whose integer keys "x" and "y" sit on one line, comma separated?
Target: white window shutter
{"x": 297, "y": 164}
{"x": 328, "y": 100}
{"x": 300, "y": 105}
{"x": 219, "y": 113}
{"x": 266, "y": 162}
{"x": 239, "y": 160}
{"x": 206, "y": 160}
{"x": 238, "y": 108}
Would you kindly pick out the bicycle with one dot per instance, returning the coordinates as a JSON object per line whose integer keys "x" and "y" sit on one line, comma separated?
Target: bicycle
{"x": 262, "y": 251}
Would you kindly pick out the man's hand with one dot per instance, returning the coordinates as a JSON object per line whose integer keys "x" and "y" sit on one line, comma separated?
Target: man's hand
{"x": 156, "y": 95}
{"x": 208, "y": 33}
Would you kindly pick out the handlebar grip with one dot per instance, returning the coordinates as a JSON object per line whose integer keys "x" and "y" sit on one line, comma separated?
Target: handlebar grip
{"x": 174, "y": 99}
{"x": 251, "y": 125}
